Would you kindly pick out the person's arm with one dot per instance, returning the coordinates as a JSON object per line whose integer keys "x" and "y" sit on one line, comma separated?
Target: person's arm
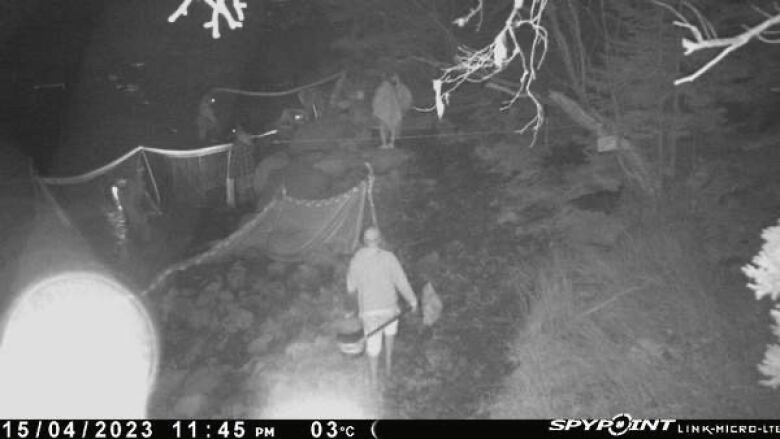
{"x": 402, "y": 283}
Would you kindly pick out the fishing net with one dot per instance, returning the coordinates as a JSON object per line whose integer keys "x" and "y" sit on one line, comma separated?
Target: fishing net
{"x": 115, "y": 207}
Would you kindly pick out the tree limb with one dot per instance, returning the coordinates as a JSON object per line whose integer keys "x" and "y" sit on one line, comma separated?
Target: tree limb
{"x": 701, "y": 42}
{"x": 483, "y": 64}
{"x": 219, "y": 8}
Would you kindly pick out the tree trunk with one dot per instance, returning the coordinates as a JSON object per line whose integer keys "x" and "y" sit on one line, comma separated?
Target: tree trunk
{"x": 674, "y": 131}
{"x": 581, "y": 54}
{"x": 631, "y": 161}
{"x": 577, "y": 85}
{"x": 661, "y": 156}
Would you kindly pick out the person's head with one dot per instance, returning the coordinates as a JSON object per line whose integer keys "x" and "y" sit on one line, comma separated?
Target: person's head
{"x": 240, "y": 134}
{"x": 208, "y": 99}
{"x": 372, "y": 237}
{"x": 116, "y": 190}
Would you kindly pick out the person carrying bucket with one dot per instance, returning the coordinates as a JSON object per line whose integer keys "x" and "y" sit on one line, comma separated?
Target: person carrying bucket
{"x": 375, "y": 275}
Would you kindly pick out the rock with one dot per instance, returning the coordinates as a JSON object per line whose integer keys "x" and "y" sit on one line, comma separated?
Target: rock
{"x": 236, "y": 276}
{"x": 189, "y": 406}
{"x": 427, "y": 184}
{"x": 385, "y": 160}
{"x": 305, "y": 277}
{"x": 646, "y": 351}
{"x": 266, "y": 167}
{"x": 235, "y": 410}
{"x": 454, "y": 248}
{"x": 440, "y": 357}
{"x": 348, "y": 181}
{"x": 259, "y": 286}
{"x": 239, "y": 320}
{"x": 203, "y": 380}
{"x": 322, "y": 341}
{"x": 298, "y": 348}
{"x": 225, "y": 296}
{"x": 199, "y": 318}
{"x": 168, "y": 380}
{"x": 277, "y": 269}
{"x": 322, "y": 258}
{"x": 254, "y": 303}
{"x": 507, "y": 216}
{"x": 187, "y": 292}
{"x": 321, "y": 135}
{"x": 271, "y": 328}
{"x": 214, "y": 285}
{"x": 169, "y": 303}
{"x": 337, "y": 163}
{"x": 429, "y": 265}
{"x": 590, "y": 228}
{"x": 602, "y": 173}
{"x": 260, "y": 345}
{"x": 601, "y": 201}
{"x": 652, "y": 347}
{"x": 432, "y": 259}
{"x": 194, "y": 351}
{"x": 303, "y": 181}
{"x": 276, "y": 292}
{"x": 508, "y": 157}
{"x": 206, "y": 299}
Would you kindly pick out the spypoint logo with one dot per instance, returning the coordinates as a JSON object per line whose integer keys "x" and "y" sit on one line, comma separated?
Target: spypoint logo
{"x": 617, "y": 426}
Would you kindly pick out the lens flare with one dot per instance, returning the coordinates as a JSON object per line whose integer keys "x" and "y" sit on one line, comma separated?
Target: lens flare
{"x": 77, "y": 345}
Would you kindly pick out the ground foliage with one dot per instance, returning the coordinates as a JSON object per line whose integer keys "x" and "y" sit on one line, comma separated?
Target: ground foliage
{"x": 269, "y": 332}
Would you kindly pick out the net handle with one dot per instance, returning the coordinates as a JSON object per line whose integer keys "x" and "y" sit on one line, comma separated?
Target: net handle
{"x": 374, "y": 221}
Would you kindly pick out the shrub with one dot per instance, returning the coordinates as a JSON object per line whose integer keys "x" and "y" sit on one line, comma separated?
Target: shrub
{"x": 764, "y": 273}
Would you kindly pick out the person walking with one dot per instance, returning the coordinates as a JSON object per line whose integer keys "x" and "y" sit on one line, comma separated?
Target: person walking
{"x": 392, "y": 99}
{"x": 375, "y": 275}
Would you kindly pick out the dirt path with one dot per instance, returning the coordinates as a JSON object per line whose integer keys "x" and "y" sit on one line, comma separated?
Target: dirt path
{"x": 445, "y": 208}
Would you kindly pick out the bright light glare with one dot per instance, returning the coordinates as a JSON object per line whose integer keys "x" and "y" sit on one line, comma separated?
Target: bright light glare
{"x": 77, "y": 345}
{"x": 319, "y": 407}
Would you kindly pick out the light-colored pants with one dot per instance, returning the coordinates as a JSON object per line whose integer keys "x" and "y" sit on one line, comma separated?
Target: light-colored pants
{"x": 373, "y": 320}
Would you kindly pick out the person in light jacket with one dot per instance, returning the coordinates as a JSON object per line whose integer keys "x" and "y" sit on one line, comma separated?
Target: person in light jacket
{"x": 375, "y": 275}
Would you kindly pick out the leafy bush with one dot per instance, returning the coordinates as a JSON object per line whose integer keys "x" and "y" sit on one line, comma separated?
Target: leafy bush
{"x": 764, "y": 272}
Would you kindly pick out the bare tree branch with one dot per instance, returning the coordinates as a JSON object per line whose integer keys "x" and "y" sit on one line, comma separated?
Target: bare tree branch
{"x": 700, "y": 42}
{"x": 476, "y": 10}
{"x": 219, "y": 8}
{"x": 481, "y": 65}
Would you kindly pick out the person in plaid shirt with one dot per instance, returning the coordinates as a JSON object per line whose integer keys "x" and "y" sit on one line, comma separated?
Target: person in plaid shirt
{"x": 241, "y": 169}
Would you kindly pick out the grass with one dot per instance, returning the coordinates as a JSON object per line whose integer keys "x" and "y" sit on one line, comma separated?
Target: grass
{"x": 635, "y": 329}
